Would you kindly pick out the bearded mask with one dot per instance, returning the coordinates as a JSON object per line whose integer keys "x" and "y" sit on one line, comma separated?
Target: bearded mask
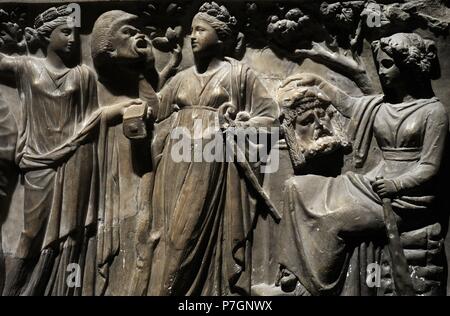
{"x": 310, "y": 123}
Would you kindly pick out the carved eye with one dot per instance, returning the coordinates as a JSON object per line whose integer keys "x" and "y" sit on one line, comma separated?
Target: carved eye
{"x": 66, "y": 31}
{"x": 307, "y": 120}
{"x": 130, "y": 31}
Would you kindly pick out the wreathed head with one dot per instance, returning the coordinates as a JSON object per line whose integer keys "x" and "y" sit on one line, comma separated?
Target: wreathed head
{"x": 55, "y": 30}
{"x": 46, "y": 22}
{"x": 214, "y": 30}
{"x": 218, "y": 18}
{"x": 412, "y": 54}
{"x": 309, "y": 122}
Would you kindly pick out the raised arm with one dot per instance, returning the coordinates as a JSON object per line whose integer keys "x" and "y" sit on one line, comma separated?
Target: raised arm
{"x": 166, "y": 98}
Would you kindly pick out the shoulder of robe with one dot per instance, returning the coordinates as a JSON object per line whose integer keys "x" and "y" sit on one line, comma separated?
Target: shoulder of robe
{"x": 30, "y": 59}
{"x": 437, "y": 111}
{"x": 27, "y": 61}
{"x": 238, "y": 64}
{"x": 179, "y": 75}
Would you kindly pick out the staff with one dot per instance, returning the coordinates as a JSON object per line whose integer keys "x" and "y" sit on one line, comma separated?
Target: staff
{"x": 245, "y": 166}
{"x": 399, "y": 266}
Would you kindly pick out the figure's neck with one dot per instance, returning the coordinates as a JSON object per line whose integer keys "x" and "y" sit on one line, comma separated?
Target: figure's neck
{"x": 55, "y": 61}
{"x": 409, "y": 89}
{"x": 205, "y": 64}
{"x": 399, "y": 97}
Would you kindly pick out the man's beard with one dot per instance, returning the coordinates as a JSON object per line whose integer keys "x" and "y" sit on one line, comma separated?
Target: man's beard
{"x": 321, "y": 146}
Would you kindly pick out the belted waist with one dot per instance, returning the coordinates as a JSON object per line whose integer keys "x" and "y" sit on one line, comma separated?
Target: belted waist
{"x": 402, "y": 153}
{"x": 198, "y": 107}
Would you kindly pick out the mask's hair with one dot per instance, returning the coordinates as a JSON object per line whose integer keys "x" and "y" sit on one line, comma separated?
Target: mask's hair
{"x": 412, "y": 53}
{"x": 104, "y": 28}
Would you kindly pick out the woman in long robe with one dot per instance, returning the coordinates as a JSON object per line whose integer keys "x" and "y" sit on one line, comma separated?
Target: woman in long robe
{"x": 323, "y": 215}
{"x": 202, "y": 210}
{"x": 57, "y": 154}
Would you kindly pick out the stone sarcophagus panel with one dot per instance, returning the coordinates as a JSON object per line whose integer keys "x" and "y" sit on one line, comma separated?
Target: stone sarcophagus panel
{"x": 232, "y": 148}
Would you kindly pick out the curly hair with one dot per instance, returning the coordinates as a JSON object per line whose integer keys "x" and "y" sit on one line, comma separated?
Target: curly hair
{"x": 287, "y": 29}
{"x": 337, "y": 12}
{"x": 219, "y": 18}
{"x": 412, "y": 53}
{"x": 49, "y": 20}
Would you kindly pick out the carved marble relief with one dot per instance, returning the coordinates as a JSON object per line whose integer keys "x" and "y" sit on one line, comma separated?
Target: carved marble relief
{"x": 244, "y": 148}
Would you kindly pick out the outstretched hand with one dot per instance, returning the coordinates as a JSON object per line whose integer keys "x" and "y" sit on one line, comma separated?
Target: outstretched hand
{"x": 305, "y": 79}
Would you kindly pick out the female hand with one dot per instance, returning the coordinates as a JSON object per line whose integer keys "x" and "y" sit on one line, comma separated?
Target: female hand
{"x": 117, "y": 110}
{"x": 385, "y": 188}
{"x": 242, "y": 120}
{"x": 305, "y": 79}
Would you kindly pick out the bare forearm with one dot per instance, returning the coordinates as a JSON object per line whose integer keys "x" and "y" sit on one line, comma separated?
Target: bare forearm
{"x": 340, "y": 100}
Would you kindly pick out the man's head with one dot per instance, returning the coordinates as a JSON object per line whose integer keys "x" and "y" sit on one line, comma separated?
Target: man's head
{"x": 116, "y": 40}
{"x": 309, "y": 122}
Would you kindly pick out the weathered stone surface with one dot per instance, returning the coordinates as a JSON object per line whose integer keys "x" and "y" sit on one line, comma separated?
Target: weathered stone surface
{"x": 89, "y": 172}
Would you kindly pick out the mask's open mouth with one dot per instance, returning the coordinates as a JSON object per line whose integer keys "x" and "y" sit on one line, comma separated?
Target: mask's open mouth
{"x": 141, "y": 43}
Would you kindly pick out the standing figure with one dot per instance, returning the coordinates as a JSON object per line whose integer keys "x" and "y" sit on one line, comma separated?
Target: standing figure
{"x": 325, "y": 216}
{"x": 202, "y": 210}
{"x": 57, "y": 156}
{"x": 124, "y": 59}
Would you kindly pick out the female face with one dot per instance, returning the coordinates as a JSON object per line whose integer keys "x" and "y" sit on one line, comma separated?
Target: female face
{"x": 388, "y": 71}
{"x": 63, "y": 39}
{"x": 204, "y": 37}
